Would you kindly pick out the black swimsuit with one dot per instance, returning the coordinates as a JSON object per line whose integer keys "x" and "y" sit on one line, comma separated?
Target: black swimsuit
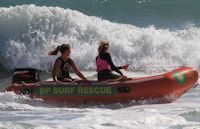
{"x": 65, "y": 69}
{"x": 107, "y": 74}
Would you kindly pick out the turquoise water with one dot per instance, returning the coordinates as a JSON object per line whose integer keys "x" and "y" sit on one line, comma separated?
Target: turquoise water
{"x": 160, "y": 13}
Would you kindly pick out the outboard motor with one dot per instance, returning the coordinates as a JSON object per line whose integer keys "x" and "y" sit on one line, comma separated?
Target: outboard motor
{"x": 27, "y": 75}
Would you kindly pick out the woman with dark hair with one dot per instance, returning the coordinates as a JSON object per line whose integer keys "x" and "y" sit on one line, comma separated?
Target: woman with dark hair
{"x": 61, "y": 69}
{"x": 105, "y": 65}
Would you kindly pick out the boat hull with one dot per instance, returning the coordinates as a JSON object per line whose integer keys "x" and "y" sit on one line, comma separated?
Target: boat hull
{"x": 163, "y": 88}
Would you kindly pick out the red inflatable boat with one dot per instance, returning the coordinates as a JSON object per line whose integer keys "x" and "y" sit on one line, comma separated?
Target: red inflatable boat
{"x": 165, "y": 88}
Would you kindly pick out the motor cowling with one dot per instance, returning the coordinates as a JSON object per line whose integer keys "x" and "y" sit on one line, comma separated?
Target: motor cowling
{"x": 25, "y": 75}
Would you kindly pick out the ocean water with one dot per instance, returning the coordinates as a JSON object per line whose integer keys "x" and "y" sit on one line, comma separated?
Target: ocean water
{"x": 161, "y": 13}
{"x": 152, "y": 36}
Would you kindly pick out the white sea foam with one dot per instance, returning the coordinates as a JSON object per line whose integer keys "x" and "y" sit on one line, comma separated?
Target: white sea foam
{"x": 28, "y": 32}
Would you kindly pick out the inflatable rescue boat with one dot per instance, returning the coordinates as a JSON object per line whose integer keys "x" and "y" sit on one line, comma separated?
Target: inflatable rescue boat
{"x": 166, "y": 88}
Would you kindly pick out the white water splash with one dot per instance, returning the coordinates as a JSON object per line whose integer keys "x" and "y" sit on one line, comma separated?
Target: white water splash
{"x": 28, "y": 32}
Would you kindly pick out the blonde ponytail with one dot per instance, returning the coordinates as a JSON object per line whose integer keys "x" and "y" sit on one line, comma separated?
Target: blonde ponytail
{"x": 102, "y": 46}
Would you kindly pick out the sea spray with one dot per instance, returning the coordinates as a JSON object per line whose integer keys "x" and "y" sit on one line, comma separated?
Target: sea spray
{"x": 29, "y": 32}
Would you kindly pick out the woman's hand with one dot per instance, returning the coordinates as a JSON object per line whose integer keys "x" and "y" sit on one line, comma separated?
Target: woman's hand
{"x": 125, "y": 77}
{"x": 84, "y": 79}
{"x": 125, "y": 67}
{"x": 56, "y": 81}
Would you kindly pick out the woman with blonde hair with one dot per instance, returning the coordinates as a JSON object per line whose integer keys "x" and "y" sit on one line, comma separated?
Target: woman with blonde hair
{"x": 105, "y": 65}
{"x": 63, "y": 64}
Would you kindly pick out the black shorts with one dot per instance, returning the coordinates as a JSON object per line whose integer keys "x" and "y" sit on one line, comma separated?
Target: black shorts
{"x": 106, "y": 75}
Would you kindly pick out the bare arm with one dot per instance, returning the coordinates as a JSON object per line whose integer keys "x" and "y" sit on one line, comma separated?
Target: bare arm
{"x": 77, "y": 71}
{"x": 56, "y": 69}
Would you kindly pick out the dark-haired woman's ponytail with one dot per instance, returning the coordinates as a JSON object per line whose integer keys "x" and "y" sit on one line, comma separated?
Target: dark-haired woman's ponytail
{"x": 55, "y": 52}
